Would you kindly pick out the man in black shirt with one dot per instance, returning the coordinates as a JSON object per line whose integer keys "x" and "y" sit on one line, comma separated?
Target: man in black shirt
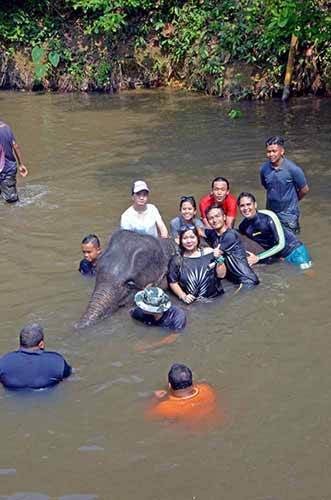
{"x": 231, "y": 249}
{"x": 265, "y": 228}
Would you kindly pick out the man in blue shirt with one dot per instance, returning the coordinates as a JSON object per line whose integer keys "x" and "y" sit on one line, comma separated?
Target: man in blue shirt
{"x": 284, "y": 182}
{"x": 32, "y": 367}
{"x": 154, "y": 309}
{"x": 9, "y": 152}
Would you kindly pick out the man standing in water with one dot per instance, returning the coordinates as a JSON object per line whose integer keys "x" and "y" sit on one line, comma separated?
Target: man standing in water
{"x": 285, "y": 184}
{"x": 9, "y": 153}
{"x": 143, "y": 217}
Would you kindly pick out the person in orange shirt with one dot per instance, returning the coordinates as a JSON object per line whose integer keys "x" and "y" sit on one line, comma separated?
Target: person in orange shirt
{"x": 185, "y": 402}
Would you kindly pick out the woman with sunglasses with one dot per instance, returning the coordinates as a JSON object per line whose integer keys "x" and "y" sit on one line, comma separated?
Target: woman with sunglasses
{"x": 188, "y": 212}
{"x": 195, "y": 274}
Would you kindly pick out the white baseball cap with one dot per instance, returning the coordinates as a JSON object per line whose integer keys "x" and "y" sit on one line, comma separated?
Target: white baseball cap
{"x": 139, "y": 186}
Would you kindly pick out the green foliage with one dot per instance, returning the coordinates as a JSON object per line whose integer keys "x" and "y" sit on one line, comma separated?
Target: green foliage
{"x": 42, "y": 66}
{"x": 235, "y": 113}
{"x": 198, "y": 38}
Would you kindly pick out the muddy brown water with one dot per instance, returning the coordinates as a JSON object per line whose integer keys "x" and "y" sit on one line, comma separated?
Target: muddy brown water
{"x": 267, "y": 352}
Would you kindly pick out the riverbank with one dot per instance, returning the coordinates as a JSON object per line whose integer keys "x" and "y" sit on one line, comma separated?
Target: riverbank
{"x": 236, "y": 50}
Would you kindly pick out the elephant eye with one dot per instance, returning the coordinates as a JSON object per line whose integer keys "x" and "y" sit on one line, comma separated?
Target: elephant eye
{"x": 131, "y": 285}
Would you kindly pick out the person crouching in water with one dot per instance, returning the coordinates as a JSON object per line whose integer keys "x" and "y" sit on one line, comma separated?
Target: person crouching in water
{"x": 230, "y": 248}
{"x": 194, "y": 275}
{"x": 265, "y": 228}
{"x": 153, "y": 308}
{"x": 188, "y": 212}
{"x": 91, "y": 249}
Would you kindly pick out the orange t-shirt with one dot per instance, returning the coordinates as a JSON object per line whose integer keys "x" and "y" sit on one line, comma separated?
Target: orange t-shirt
{"x": 200, "y": 407}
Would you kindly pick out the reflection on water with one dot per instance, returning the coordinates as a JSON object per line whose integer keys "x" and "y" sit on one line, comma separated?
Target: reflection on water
{"x": 266, "y": 351}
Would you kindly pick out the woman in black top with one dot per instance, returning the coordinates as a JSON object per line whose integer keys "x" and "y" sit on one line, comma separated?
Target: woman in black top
{"x": 195, "y": 274}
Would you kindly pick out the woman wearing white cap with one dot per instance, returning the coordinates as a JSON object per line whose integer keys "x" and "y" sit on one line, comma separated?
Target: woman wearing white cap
{"x": 143, "y": 217}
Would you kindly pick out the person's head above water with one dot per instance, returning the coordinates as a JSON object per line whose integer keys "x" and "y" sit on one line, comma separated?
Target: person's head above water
{"x": 189, "y": 239}
{"x": 188, "y": 208}
{"x": 220, "y": 188}
{"x": 91, "y": 247}
{"x": 180, "y": 377}
{"x": 215, "y": 217}
{"x": 275, "y": 149}
{"x": 139, "y": 192}
{"x": 152, "y": 300}
{"x": 247, "y": 205}
{"x": 32, "y": 336}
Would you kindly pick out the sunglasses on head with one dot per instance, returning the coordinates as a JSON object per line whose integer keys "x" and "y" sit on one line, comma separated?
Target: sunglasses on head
{"x": 187, "y": 227}
{"x": 187, "y": 198}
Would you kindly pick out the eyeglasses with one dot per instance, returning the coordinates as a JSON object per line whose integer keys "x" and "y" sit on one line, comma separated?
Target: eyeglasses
{"x": 187, "y": 227}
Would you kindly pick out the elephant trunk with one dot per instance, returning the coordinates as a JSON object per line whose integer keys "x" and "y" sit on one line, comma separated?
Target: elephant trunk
{"x": 101, "y": 304}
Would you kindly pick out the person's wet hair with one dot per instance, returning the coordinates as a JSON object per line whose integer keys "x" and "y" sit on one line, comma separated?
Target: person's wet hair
{"x": 277, "y": 140}
{"x": 91, "y": 238}
{"x": 246, "y": 195}
{"x": 180, "y": 377}
{"x": 31, "y": 335}
{"x": 220, "y": 179}
{"x": 184, "y": 229}
{"x": 213, "y": 207}
{"x": 190, "y": 199}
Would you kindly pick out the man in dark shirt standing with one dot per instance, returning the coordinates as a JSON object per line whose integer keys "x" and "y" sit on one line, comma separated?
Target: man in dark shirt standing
{"x": 285, "y": 183}
{"x": 231, "y": 249}
{"x": 9, "y": 153}
{"x": 154, "y": 309}
{"x": 32, "y": 367}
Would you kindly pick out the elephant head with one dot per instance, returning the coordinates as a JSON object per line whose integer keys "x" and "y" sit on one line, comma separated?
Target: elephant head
{"x": 130, "y": 262}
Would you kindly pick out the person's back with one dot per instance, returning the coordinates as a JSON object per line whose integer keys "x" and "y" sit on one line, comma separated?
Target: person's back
{"x": 31, "y": 367}
{"x": 24, "y": 369}
{"x": 195, "y": 406}
{"x": 199, "y": 406}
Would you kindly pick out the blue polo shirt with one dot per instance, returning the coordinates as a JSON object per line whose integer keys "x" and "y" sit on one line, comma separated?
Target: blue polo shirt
{"x": 174, "y": 319}
{"x": 282, "y": 185}
{"x": 27, "y": 369}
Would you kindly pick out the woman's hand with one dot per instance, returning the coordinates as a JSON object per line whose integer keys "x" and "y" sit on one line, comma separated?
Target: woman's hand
{"x": 188, "y": 298}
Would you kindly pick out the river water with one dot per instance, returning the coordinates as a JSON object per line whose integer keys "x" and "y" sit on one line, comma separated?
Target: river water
{"x": 266, "y": 352}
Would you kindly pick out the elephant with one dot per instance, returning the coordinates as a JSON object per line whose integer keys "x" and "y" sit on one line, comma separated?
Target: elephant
{"x": 130, "y": 262}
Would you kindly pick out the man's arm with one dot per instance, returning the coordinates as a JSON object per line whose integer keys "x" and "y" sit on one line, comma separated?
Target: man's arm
{"x": 303, "y": 191}
{"x": 169, "y": 339}
{"x": 18, "y": 153}
{"x": 162, "y": 228}
{"x": 277, "y": 229}
{"x": 229, "y": 221}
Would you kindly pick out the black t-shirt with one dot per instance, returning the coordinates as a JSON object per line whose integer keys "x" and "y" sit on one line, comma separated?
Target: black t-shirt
{"x": 237, "y": 267}
{"x": 262, "y": 229}
{"x": 87, "y": 268}
{"x": 195, "y": 275}
{"x": 174, "y": 319}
